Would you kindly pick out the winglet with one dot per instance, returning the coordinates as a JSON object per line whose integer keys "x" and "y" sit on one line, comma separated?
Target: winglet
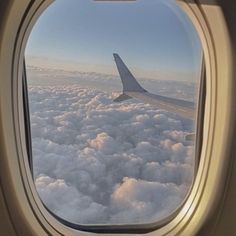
{"x": 130, "y": 84}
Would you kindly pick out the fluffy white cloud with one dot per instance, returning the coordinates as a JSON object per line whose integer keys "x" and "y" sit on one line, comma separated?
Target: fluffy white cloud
{"x": 144, "y": 201}
{"x": 96, "y": 161}
{"x": 66, "y": 201}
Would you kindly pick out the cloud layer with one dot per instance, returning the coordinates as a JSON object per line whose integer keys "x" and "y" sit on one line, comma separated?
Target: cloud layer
{"x": 100, "y": 162}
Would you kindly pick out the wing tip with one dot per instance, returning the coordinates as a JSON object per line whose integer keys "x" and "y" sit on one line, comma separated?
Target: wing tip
{"x": 115, "y": 55}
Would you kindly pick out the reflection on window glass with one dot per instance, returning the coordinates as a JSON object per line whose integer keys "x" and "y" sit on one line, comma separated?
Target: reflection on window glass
{"x": 109, "y": 132}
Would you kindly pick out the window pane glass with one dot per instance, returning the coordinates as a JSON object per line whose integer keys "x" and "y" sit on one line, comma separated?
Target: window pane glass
{"x": 112, "y": 135}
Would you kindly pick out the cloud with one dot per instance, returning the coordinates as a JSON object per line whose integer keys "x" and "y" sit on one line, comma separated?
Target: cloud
{"x": 41, "y": 76}
{"x": 144, "y": 201}
{"x": 66, "y": 201}
{"x": 100, "y": 162}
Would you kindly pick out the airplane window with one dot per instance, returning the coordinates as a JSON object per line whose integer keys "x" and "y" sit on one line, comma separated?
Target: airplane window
{"x": 113, "y": 91}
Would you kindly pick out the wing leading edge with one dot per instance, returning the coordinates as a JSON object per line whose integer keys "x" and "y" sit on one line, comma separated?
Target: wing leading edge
{"x": 132, "y": 89}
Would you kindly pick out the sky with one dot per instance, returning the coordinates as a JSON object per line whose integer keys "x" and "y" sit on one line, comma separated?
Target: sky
{"x": 152, "y": 37}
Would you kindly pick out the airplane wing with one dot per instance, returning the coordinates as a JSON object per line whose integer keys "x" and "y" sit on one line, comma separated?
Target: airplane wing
{"x": 132, "y": 89}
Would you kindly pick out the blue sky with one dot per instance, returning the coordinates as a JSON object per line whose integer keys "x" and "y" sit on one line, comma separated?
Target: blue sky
{"x": 152, "y": 36}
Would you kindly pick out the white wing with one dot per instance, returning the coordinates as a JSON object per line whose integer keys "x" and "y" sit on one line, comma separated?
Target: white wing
{"x": 132, "y": 89}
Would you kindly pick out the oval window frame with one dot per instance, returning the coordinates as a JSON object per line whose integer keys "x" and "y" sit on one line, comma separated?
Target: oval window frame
{"x": 20, "y": 175}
